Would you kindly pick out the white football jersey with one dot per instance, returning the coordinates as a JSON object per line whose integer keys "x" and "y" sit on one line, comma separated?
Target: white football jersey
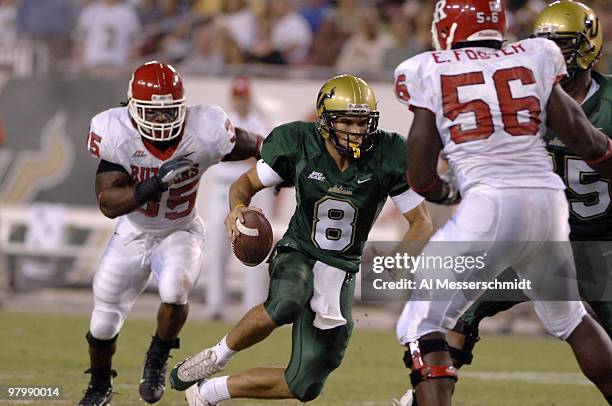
{"x": 490, "y": 108}
{"x": 207, "y": 137}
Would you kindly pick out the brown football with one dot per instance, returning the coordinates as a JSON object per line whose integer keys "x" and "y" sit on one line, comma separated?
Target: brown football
{"x": 254, "y": 243}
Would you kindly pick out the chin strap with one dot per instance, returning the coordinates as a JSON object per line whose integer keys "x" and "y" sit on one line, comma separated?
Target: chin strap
{"x": 413, "y": 358}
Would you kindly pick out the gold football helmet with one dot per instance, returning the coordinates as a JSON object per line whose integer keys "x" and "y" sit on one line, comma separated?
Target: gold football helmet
{"x": 347, "y": 96}
{"x": 576, "y": 30}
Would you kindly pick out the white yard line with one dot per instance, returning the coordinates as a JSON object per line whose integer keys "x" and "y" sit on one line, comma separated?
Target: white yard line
{"x": 560, "y": 378}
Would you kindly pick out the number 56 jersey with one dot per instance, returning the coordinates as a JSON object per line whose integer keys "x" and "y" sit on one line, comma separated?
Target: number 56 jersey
{"x": 207, "y": 136}
{"x": 490, "y": 108}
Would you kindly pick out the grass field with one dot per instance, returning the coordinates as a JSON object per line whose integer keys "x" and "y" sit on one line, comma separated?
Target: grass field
{"x": 51, "y": 350}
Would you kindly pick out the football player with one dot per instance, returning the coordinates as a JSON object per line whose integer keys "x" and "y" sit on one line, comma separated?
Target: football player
{"x": 576, "y": 29}
{"x": 343, "y": 169}
{"x": 487, "y": 107}
{"x": 152, "y": 152}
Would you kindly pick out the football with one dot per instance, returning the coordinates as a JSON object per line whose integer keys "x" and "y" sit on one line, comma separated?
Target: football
{"x": 253, "y": 244}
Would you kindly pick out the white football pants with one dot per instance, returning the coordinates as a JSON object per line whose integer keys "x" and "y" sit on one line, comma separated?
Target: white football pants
{"x": 493, "y": 215}
{"x": 175, "y": 259}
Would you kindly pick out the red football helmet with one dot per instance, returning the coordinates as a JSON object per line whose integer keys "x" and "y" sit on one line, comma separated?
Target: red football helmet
{"x": 467, "y": 20}
{"x": 156, "y": 101}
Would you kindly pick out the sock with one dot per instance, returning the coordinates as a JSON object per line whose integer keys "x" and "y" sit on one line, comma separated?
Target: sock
{"x": 215, "y": 390}
{"x": 223, "y": 352}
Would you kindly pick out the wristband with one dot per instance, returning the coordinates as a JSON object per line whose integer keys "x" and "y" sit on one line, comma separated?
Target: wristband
{"x": 239, "y": 205}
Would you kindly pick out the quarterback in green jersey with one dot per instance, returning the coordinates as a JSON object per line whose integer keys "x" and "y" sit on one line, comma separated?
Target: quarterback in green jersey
{"x": 575, "y": 28}
{"x": 343, "y": 169}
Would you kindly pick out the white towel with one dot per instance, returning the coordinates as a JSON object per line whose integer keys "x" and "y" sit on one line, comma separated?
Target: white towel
{"x": 325, "y": 300}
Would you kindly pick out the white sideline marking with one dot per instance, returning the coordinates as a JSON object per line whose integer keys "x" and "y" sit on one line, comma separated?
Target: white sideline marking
{"x": 560, "y": 378}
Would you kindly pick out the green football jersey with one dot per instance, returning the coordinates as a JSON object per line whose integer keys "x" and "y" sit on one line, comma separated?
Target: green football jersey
{"x": 588, "y": 195}
{"x": 335, "y": 210}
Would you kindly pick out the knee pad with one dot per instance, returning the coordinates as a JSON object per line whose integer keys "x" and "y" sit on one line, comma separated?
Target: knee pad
{"x": 285, "y": 311}
{"x": 464, "y": 354}
{"x": 105, "y": 325}
{"x": 413, "y": 358}
{"x": 174, "y": 292}
{"x": 97, "y": 343}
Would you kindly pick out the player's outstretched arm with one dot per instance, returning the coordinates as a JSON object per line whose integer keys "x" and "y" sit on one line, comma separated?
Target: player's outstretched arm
{"x": 240, "y": 194}
{"x": 568, "y": 120}
{"x": 248, "y": 145}
{"x": 117, "y": 195}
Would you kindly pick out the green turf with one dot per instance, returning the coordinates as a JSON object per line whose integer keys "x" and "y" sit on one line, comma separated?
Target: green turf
{"x": 51, "y": 350}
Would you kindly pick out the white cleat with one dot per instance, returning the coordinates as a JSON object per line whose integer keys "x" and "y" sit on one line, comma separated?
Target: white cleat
{"x": 193, "y": 397}
{"x": 407, "y": 400}
{"x": 201, "y": 366}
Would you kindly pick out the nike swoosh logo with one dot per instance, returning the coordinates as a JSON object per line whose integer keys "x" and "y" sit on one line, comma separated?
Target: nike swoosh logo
{"x": 360, "y": 181}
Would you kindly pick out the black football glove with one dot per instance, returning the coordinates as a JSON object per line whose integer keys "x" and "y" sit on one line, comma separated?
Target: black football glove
{"x": 152, "y": 188}
{"x": 450, "y": 192}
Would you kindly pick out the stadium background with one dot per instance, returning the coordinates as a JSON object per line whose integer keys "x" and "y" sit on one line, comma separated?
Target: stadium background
{"x": 51, "y": 233}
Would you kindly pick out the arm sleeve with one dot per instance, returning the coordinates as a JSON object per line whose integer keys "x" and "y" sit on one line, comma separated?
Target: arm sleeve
{"x": 404, "y": 198}
{"x": 407, "y": 201}
{"x": 279, "y": 153}
{"x": 105, "y": 166}
{"x": 267, "y": 176}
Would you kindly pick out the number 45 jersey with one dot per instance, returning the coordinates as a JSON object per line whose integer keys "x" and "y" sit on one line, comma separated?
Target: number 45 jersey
{"x": 336, "y": 210}
{"x": 207, "y": 136}
{"x": 490, "y": 108}
{"x": 589, "y": 195}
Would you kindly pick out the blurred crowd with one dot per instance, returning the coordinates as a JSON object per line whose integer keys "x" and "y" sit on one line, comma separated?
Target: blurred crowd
{"x": 208, "y": 36}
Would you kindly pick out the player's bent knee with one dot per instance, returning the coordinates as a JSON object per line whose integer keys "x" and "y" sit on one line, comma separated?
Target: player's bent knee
{"x": 308, "y": 383}
{"x": 174, "y": 297}
{"x": 561, "y": 327}
{"x": 285, "y": 311}
{"x": 311, "y": 392}
{"x": 104, "y": 325}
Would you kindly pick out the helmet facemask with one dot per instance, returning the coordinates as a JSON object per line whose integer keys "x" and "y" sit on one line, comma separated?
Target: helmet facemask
{"x": 159, "y": 119}
{"x": 576, "y": 29}
{"x": 574, "y": 47}
{"x": 342, "y": 138}
{"x": 344, "y": 103}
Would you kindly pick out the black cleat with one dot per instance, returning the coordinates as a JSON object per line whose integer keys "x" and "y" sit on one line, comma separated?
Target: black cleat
{"x": 153, "y": 382}
{"x": 100, "y": 389}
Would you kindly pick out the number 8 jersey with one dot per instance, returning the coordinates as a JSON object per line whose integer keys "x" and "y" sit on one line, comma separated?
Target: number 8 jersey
{"x": 336, "y": 210}
{"x": 490, "y": 108}
{"x": 207, "y": 136}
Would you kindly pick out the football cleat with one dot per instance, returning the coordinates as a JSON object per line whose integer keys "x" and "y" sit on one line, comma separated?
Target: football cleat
{"x": 99, "y": 392}
{"x": 153, "y": 382}
{"x": 188, "y": 372}
{"x": 193, "y": 397}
